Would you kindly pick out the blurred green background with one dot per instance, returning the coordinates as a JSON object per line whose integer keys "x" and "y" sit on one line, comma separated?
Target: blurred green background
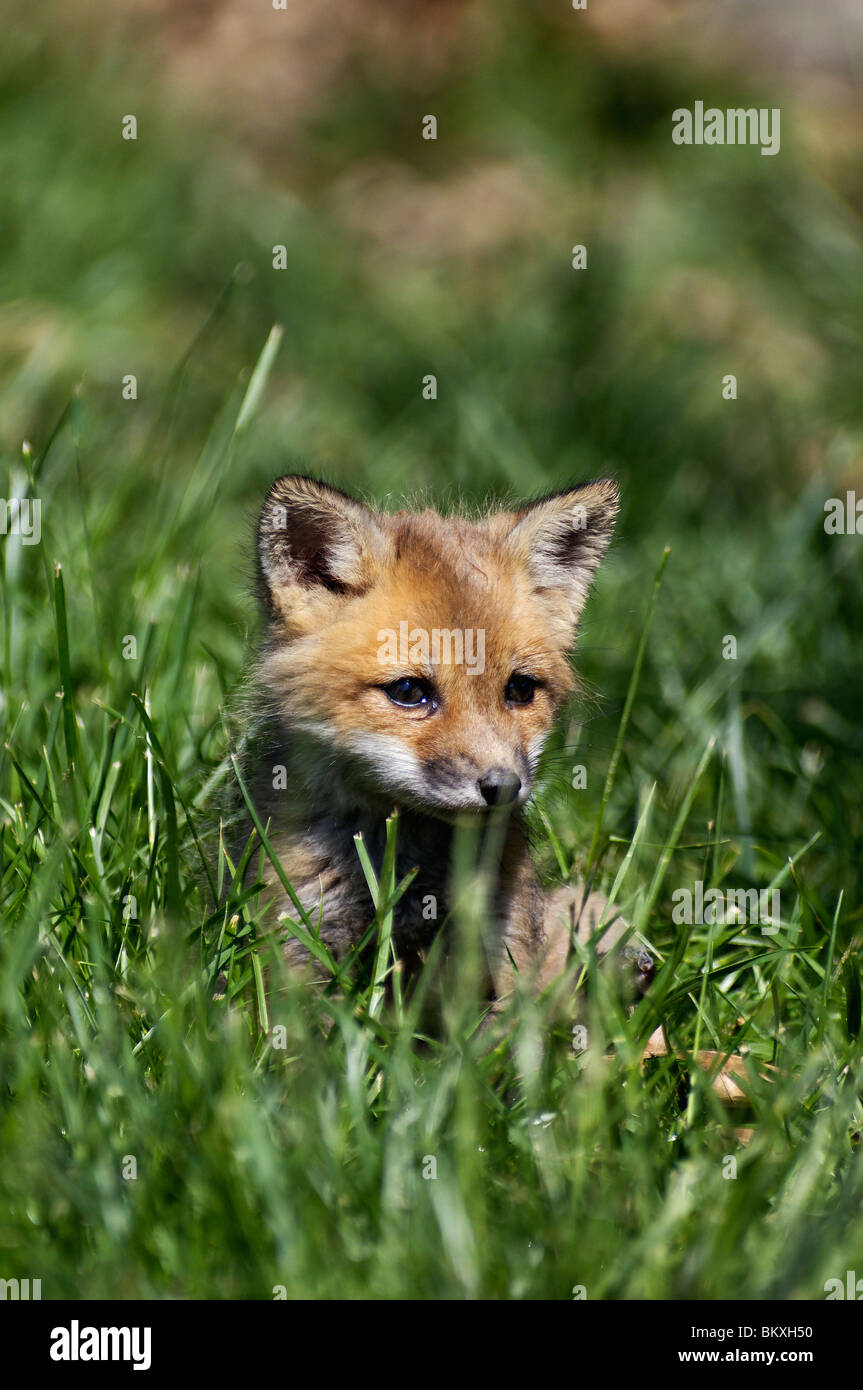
{"x": 302, "y": 128}
{"x": 259, "y": 127}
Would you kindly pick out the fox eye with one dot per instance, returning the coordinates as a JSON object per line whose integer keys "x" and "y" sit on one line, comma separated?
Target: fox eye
{"x": 409, "y": 692}
{"x": 520, "y": 689}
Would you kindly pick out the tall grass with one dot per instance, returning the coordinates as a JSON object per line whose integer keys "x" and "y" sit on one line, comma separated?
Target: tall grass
{"x": 169, "y": 1126}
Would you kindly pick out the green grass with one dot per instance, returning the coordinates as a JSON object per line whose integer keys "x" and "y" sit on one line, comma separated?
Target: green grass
{"x": 261, "y": 1165}
{"x": 292, "y": 1158}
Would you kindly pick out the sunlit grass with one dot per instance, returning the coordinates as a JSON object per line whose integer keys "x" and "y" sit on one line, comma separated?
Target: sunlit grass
{"x": 286, "y": 1139}
{"x": 333, "y": 1144}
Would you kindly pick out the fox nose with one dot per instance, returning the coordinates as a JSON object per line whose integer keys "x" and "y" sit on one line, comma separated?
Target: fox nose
{"x": 499, "y": 786}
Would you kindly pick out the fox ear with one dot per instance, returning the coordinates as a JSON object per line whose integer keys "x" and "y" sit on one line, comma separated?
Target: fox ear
{"x": 312, "y": 537}
{"x": 561, "y": 539}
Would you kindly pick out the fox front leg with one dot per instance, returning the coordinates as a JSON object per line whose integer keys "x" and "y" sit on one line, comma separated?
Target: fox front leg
{"x": 571, "y": 911}
{"x": 541, "y": 951}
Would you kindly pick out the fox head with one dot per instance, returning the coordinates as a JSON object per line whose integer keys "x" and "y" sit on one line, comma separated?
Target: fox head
{"x": 419, "y": 659}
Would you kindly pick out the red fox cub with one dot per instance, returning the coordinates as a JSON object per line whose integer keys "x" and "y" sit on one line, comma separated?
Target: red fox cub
{"x": 418, "y": 661}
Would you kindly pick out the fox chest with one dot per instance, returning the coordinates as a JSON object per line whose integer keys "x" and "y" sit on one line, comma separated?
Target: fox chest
{"x": 332, "y": 888}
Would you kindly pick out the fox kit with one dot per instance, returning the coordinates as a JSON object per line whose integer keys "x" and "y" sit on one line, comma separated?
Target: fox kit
{"x": 418, "y": 661}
